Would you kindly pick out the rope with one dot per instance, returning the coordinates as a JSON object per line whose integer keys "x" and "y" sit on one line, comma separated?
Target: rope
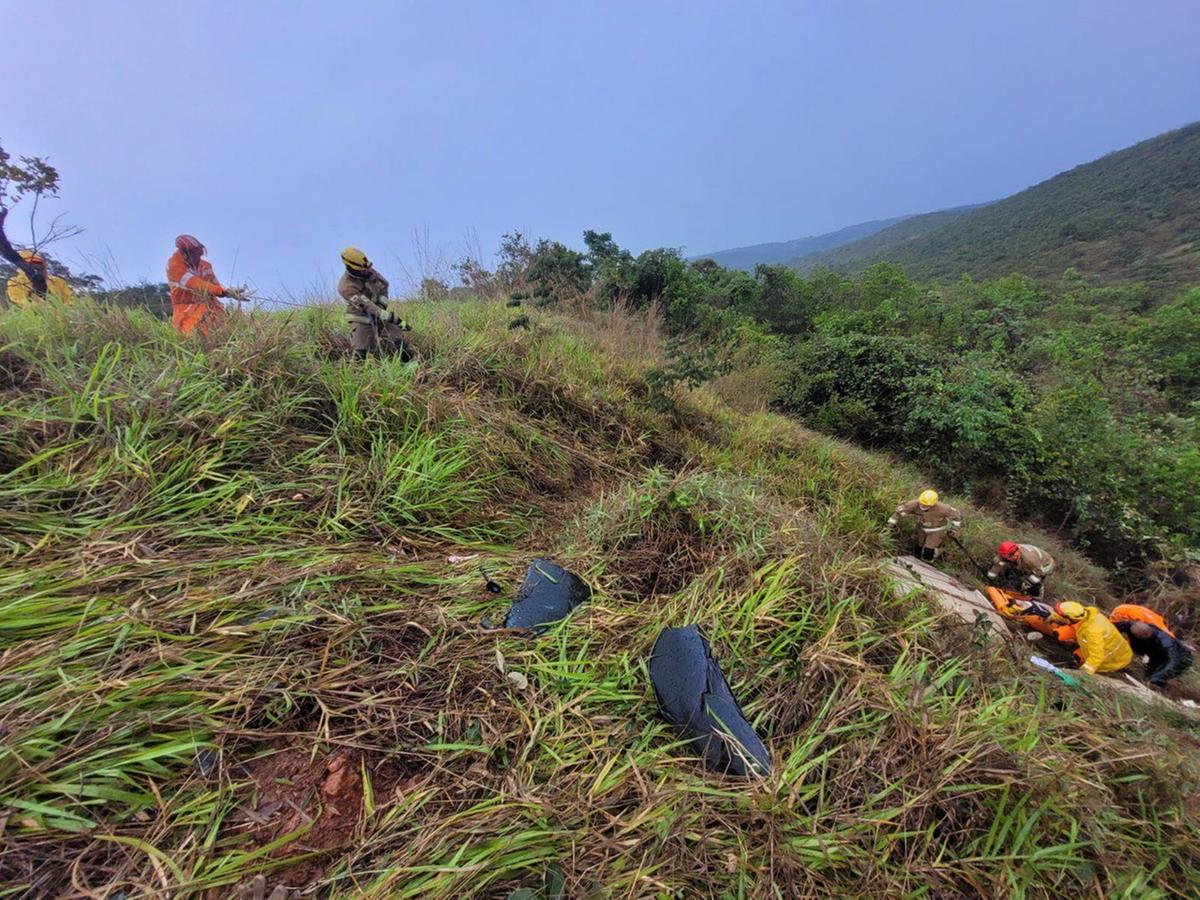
{"x": 292, "y": 303}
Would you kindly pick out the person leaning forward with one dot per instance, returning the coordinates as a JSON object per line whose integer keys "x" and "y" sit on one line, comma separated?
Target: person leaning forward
{"x": 1149, "y": 636}
{"x": 20, "y": 291}
{"x": 373, "y": 327}
{"x": 935, "y": 520}
{"x": 1102, "y": 648}
{"x": 1023, "y": 567}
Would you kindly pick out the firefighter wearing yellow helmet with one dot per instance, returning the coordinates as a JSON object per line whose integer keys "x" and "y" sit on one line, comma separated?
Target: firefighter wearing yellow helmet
{"x": 1102, "y": 648}
{"x": 934, "y": 519}
{"x": 19, "y": 289}
{"x": 374, "y": 328}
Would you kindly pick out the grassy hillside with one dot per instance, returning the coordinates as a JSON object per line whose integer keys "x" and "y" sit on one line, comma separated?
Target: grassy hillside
{"x": 235, "y": 643}
{"x": 1133, "y": 215}
{"x": 886, "y": 243}
{"x": 785, "y": 251}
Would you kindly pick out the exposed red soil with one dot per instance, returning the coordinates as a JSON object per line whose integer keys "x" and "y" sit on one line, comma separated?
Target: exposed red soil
{"x": 292, "y": 789}
{"x": 295, "y": 788}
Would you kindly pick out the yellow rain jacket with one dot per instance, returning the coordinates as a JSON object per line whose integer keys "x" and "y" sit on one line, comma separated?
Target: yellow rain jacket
{"x": 1101, "y": 647}
{"x": 20, "y": 290}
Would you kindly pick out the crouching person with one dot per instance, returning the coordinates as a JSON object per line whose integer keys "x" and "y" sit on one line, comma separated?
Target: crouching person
{"x": 1022, "y": 567}
{"x": 1101, "y": 647}
{"x": 935, "y": 521}
{"x": 1148, "y": 636}
{"x": 374, "y": 328}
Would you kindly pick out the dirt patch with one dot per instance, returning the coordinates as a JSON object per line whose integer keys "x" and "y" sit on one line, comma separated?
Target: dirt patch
{"x": 292, "y": 789}
{"x": 18, "y": 374}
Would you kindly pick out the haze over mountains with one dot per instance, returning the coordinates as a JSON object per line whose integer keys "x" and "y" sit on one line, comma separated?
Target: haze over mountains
{"x": 786, "y": 251}
{"x": 1132, "y": 215}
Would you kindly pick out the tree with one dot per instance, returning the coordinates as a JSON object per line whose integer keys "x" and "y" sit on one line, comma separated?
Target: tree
{"x": 514, "y": 257}
{"x": 782, "y": 302}
{"x": 612, "y": 267}
{"x": 556, "y": 268}
{"x": 601, "y": 248}
{"x": 29, "y": 176}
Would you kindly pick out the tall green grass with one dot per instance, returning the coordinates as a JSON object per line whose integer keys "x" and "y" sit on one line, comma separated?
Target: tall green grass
{"x": 214, "y": 551}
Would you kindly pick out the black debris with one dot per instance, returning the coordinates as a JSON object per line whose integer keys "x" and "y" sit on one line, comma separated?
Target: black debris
{"x": 548, "y": 594}
{"x": 694, "y": 696}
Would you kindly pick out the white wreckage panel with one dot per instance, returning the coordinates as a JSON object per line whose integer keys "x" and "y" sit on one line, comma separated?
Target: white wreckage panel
{"x": 956, "y": 598}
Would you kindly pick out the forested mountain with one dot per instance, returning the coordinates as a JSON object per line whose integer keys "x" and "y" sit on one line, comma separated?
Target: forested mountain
{"x": 785, "y": 251}
{"x": 1133, "y": 215}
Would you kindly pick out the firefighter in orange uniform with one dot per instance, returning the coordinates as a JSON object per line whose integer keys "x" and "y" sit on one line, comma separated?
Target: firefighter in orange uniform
{"x": 195, "y": 289}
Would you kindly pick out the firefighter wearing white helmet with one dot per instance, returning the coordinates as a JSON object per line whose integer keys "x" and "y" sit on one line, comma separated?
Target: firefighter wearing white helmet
{"x": 374, "y": 328}
{"x": 935, "y": 520}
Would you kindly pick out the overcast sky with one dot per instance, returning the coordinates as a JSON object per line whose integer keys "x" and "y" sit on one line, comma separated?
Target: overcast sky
{"x": 279, "y": 132}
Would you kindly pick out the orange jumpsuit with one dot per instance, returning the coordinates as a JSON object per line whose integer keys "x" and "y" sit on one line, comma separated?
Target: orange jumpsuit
{"x": 1131, "y": 612}
{"x": 194, "y": 293}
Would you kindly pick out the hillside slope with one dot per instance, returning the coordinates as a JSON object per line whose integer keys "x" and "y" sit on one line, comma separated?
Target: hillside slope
{"x": 748, "y": 257}
{"x": 1128, "y": 216}
{"x": 239, "y": 618}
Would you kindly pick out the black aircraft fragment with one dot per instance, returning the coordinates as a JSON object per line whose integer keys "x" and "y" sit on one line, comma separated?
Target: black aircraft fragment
{"x": 548, "y": 594}
{"x": 694, "y": 696}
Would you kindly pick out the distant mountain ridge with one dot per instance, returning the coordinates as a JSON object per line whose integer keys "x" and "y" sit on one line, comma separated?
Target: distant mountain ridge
{"x": 1131, "y": 215}
{"x": 786, "y": 251}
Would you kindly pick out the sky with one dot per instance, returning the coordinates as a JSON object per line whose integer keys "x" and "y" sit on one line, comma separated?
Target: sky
{"x": 279, "y": 132}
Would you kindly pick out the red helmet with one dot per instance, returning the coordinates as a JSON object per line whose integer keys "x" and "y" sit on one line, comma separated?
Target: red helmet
{"x": 189, "y": 246}
{"x": 1008, "y": 550}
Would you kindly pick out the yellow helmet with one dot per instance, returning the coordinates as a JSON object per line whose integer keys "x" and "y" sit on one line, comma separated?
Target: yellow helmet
{"x": 928, "y": 498}
{"x": 1070, "y": 610}
{"x": 33, "y": 258}
{"x": 355, "y": 259}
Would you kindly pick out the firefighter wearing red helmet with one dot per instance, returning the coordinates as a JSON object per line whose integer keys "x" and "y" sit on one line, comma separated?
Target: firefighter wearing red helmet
{"x": 194, "y": 288}
{"x": 1022, "y": 567}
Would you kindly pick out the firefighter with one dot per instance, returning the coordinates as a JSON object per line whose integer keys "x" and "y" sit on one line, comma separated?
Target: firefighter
{"x": 19, "y": 289}
{"x": 1148, "y": 636}
{"x": 374, "y": 328}
{"x": 1101, "y": 647}
{"x": 195, "y": 290}
{"x": 1022, "y": 567}
{"x": 935, "y": 520}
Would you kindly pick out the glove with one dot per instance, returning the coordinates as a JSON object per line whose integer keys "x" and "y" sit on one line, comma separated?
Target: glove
{"x": 236, "y": 293}
{"x": 893, "y": 522}
{"x": 403, "y": 325}
{"x": 386, "y": 316}
{"x": 1033, "y": 579}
